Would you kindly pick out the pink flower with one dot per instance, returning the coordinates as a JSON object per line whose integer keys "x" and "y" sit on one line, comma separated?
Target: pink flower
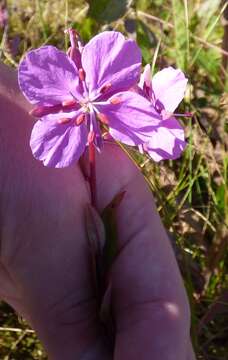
{"x": 76, "y": 94}
{"x": 165, "y": 91}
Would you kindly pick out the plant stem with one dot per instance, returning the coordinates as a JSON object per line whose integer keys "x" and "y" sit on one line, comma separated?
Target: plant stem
{"x": 92, "y": 175}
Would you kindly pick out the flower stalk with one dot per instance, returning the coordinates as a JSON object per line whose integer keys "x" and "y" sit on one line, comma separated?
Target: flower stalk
{"x": 92, "y": 174}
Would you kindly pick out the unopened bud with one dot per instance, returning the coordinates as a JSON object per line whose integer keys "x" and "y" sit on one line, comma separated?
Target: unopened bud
{"x": 69, "y": 52}
{"x": 81, "y": 73}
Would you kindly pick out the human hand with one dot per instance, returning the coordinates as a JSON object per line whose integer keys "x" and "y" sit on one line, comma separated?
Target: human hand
{"x": 45, "y": 269}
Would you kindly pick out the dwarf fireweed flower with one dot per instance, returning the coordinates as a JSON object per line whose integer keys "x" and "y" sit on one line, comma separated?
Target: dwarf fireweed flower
{"x": 78, "y": 94}
{"x": 165, "y": 90}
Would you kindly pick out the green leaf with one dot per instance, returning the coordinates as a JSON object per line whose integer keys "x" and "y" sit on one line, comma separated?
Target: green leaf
{"x": 180, "y": 34}
{"x": 146, "y": 39}
{"x": 207, "y": 10}
{"x": 109, "y": 219}
{"x": 220, "y": 197}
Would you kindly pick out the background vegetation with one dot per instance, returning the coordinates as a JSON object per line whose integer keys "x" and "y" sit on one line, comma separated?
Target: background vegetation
{"x": 191, "y": 193}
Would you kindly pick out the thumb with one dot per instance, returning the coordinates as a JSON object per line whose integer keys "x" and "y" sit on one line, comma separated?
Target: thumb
{"x": 149, "y": 301}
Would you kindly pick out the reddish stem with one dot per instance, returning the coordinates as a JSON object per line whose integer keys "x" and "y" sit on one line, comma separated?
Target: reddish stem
{"x": 92, "y": 175}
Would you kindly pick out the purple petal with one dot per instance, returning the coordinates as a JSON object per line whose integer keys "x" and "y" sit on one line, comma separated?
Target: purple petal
{"x": 169, "y": 86}
{"x": 132, "y": 120}
{"x": 110, "y": 59}
{"x": 167, "y": 141}
{"x": 47, "y": 76}
{"x": 57, "y": 145}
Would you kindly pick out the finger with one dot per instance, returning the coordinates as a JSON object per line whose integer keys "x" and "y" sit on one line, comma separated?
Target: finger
{"x": 44, "y": 248}
{"x": 150, "y": 304}
{"x": 191, "y": 354}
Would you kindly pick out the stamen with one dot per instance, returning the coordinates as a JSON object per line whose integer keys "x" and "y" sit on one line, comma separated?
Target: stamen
{"x": 166, "y": 114}
{"x": 91, "y": 137}
{"x": 103, "y": 118}
{"x": 81, "y": 73}
{"x": 187, "y": 114}
{"x": 115, "y": 100}
{"x": 70, "y": 102}
{"x": 80, "y": 119}
{"x": 64, "y": 121}
{"x": 39, "y": 111}
{"x": 105, "y": 88}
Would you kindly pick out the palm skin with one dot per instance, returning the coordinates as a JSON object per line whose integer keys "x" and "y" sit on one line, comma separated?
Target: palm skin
{"x": 45, "y": 258}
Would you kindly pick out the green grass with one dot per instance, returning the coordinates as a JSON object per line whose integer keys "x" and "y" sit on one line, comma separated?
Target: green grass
{"x": 191, "y": 193}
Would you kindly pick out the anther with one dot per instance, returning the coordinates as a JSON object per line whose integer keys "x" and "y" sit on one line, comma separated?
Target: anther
{"x": 115, "y": 100}
{"x": 81, "y": 73}
{"x": 36, "y": 111}
{"x": 105, "y": 88}
{"x": 80, "y": 119}
{"x": 39, "y": 111}
{"x": 91, "y": 137}
{"x": 64, "y": 121}
{"x": 166, "y": 115}
{"x": 70, "y": 102}
{"x": 187, "y": 114}
{"x": 103, "y": 118}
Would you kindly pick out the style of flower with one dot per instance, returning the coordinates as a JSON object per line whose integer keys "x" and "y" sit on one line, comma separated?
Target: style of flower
{"x": 78, "y": 93}
{"x": 165, "y": 91}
